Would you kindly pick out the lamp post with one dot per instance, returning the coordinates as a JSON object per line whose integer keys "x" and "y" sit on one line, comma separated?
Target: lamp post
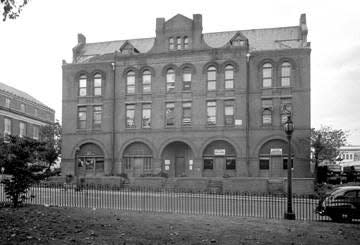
{"x": 289, "y": 129}
{"x": 77, "y": 150}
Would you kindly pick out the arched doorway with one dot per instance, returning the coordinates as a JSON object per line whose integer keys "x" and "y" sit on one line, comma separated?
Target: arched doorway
{"x": 219, "y": 158}
{"x": 273, "y": 158}
{"x": 137, "y": 159}
{"x": 90, "y": 160}
{"x": 178, "y": 159}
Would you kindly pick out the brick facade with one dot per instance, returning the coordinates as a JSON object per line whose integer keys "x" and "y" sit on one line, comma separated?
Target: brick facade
{"x": 231, "y": 147}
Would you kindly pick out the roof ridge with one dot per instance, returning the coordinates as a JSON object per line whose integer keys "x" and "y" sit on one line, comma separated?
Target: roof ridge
{"x": 123, "y": 40}
{"x": 268, "y": 28}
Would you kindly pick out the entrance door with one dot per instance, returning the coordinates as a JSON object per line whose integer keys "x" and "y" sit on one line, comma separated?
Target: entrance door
{"x": 276, "y": 166}
{"x": 219, "y": 166}
{"x": 179, "y": 166}
{"x": 138, "y": 166}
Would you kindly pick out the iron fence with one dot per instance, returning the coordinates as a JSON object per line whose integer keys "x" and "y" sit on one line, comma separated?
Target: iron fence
{"x": 171, "y": 200}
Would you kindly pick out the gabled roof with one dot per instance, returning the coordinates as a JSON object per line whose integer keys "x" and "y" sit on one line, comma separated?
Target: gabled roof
{"x": 20, "y": 93}
{"x": 258, "y": 39}
{"x": 179, "y": 17}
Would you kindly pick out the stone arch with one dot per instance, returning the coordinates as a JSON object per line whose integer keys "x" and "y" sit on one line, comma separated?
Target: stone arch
{"x": 264, "y": 61}
{"x": 128, "y": 69}
{"x": 210, "y": 63}
{"x": 286, "y": 59}
{"x": 90, "y": 159}
{"x": 169, "y": 141}
{"x": 212, "y": 139}
{"x": 167, "y": 67}
{"x": 146, "y": 67}
{"x": 188, "y": 65}
{"x": 98, "y": 71}
{"x": 131, "y": 141}
{"x": 229, "y": 62}
{"x": 273, "y": 138}
{"x": 90, "y": 141}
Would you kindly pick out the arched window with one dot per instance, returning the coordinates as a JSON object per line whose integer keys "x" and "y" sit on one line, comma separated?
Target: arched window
{"x": 186, "y": 42}
{"x": 187, "y": 79}
{"x": 267, "y": 75}
{"x": 130, "y": 82}
{"x": 146, "y": 81}
{"x": 91, "y": 159}
{"x": 137, "y": 159}
{"x": 171, "y": 43}
{"x": 229, "y": 77}
{"x": 211, "y": 78}
{"x": 97, "y": 84}
{"x": 178, "y": 43}
{"x": 285, "y": 74}
{"x": 170, "y": 80}
{"x": 83, "y": 85}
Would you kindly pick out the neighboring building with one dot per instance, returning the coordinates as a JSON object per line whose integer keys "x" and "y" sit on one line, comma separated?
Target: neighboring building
{"x": 349, "y": 153}
{"x": 22, "y": 114}
{"x": 188, "y": 103}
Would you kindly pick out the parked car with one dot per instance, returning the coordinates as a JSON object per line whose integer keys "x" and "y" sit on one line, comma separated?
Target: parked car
{"x": 352, "y": 173}
{"x": 342, "y": 204}
{"x": 331, "y": 174}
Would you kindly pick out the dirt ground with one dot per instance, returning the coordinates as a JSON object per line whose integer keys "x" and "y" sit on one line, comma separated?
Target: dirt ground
{"x": 55, "y": 225}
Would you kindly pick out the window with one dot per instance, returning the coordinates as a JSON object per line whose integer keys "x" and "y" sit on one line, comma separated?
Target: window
{"x": 146, "y": 81}
{"x": 147, "y": 163}
{"x": 285, "y": 110}
{"x": 230, "y": 164}
{"x": 146, "y": 115}
{"x": 285, "y": 163}
{"x": 229, "y": 77}
{"x": 83, "y": 85}
{"x": 264, "y": 163}
{"x": 127, "y": 162}
{"x": 170, "y": 114}
{"x": 97, "y": 116}
{"x": 171, "y": 43}
{"x": 187, "y": 79}
{"x": 178, "y": 43}
{"x": 7, "y": 102}
{"x": 130, "y": 116}
{"x": 82, "y": 117}
{"x": 170, "y": 80}
{"x": 35, "y": 132}
{"x": 211, "y": 78}
{"x": 211, "y": 112}
{"x": 7, "y": 126}
{"x": 186, "y": 114}
{"x": 130, "y": 82}
{"x": 22, "y": 129}
{"x": 267, "y": 112}
{"x": 267, "y": 75}
{"x": 186, "y": 42}
{"x": 285, "y": 74}
{"x": 22, "y": 107}
{"x": 229, "y": 113}
{"x": 208, "y": 163}
{"x": 97, "y": 84}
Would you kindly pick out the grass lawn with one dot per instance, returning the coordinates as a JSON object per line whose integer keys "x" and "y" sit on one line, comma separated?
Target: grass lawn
{"x": 56, "y": 225}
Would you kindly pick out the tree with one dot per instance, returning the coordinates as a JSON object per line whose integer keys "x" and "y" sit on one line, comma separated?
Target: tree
{"x": 12, "y": 8}
{"x": 326, "y": 143}
{"x": 50, "y": 135}
{"x": 23, "y": 159}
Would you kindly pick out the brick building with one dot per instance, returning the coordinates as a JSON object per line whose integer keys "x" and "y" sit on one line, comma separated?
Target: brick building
{"x": 22, "y": 114}
{"x": 194, "y": 105}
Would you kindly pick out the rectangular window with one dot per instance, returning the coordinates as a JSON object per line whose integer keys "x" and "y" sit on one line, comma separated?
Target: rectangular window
{"x": 187, "y": 80}
{"x": 97, "y": 116}
{"x": 7, "y": 126}
{"x": 146, "y": 82}
{"x": 230, "y": 163}
{"x": 35, "y": 132}
{"x": 170, "y": 80}
{"x": 186, "y": 114}
{"x": 127, "y": 163}
{"x": 211, "y": 112}
{"x": 146, "y": 115}
{"x": 7, "y": 102}
{"x": 22, "y": 129}
{"x": 211, "y": 79}
{"x": 130, "y": 116}
{"x": 83, "y": 86}
{"x": 130, "y": 83}
{"x": 170, "y": 114}
{"x": 229, "y": 77}
{"x": 82, "y": 117}
{"x": 171, "y": 43}
{"x": 267, "y": 111}
{"x": 264, "y": 163}
{"x": 285, "y": 163}
{"x": 229, "y": 113}
{"x": 147, "y": 163}
{"x": 285, "y": 110}
{"x": 208, "y": 163}
{"x": 22, "y": 107}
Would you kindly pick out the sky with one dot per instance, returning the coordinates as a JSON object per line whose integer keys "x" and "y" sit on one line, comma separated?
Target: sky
{"x": 33, "y": 46}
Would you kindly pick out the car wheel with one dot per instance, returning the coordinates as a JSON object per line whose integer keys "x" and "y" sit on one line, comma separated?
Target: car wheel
{"x": 342, "y": 217}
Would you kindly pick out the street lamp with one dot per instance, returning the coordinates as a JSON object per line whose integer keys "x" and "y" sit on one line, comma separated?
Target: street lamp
{"x": 289, "y": 129}
{"x": 77, "y": 150}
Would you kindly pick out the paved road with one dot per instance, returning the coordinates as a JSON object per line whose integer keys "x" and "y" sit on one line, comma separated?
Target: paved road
{"x": 187, "y": 203}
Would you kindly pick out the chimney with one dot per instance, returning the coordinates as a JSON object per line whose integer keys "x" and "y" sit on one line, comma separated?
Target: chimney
{"x": 197, "y": 31}
{"x": 197, "y": 22}
{"x": 81, "y": 39}
{"x": 303, "y": 28}
{"x": 160, "y": 26}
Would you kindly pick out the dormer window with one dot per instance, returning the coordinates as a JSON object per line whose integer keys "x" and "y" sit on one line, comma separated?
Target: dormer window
{"x": 171, "y": 43}
{"x": 186, "y": 42}
{"x": 178, "y": 43}
{"x": 238, "y": 43}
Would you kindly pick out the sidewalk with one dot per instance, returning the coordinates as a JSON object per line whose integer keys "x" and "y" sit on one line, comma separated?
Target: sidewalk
{"x": 54, "y": 225}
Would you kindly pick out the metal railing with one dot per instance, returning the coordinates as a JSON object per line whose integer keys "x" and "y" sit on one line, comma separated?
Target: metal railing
{"x": 171, "y": 200}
